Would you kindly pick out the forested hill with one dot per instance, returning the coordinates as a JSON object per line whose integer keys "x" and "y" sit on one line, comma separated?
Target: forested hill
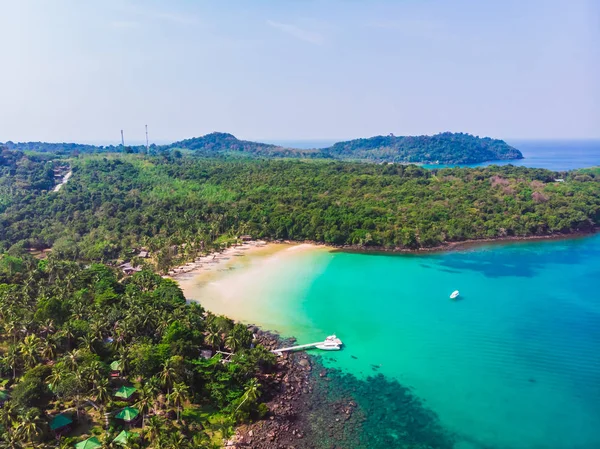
{"x": 117, "y": 203}
{"x": 214, "y": 144}
{"x": 444, "y": 148}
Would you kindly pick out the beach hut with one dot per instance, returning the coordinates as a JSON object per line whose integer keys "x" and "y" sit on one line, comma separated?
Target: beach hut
{"x": 90, "y": 443}
{"x": 125, "y": 392}
{"x": 128, "y": 414}
{"x": 123, "y": 437}
{"x": 115, "y": 369}
{"x": 60, "y": 423}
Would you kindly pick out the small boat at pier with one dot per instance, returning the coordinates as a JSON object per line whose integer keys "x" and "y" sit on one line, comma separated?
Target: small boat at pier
{"x": 331, "y": 343}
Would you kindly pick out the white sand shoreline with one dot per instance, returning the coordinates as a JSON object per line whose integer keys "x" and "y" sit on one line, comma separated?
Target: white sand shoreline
{"x": 214, "y": 260}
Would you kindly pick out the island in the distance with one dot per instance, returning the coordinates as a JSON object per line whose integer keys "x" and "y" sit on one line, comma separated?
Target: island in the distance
{"x": 443, "y": 148}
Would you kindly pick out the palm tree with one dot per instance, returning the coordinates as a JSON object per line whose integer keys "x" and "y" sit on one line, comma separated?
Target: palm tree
{"x": 87, "y": 342}
{"x": 251, "y": 393}
{"x": 213, "y": 337}
{"x": 145, "y": 402}
{"x": 72, "y": 360}
{"x": 29, "y": 348}
{"x": 124, "y": 359}
{"x": 48, "y": 349}
{"x": 167, "y": 375}
{"x": 47, "y": 328}
{"x": 154, "y": 428}
{"x": 10, "y": 441}
{"x": 29, "y": 427}
{"x": 102, "y": 391}
{"x": 68, "y": 332}
{"x": 59, "y": 373}
{"x": 179, "y": 395}
{"x": 94, "y": 372}
{"x": 12, "y": 359}
{"x": 8, "y": 416}
{"x": 232, "y": 342}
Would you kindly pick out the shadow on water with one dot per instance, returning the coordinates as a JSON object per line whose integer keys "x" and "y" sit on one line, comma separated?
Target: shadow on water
{"x": 386, "y": 414}
{"x": 520, "y": 259}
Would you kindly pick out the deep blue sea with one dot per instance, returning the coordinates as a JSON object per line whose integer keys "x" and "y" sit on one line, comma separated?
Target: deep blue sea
{"x": 557, "y": 155}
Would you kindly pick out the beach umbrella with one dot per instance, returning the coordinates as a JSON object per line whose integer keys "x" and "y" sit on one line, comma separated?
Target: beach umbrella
{"x": 60, "y": 421}
{"x": 90, "y": 443}
{"x": 125, "y": 392}
{"x": 123, "y": 437}
{"x": 115, "y": 366}
{"x": 128, "y": 414}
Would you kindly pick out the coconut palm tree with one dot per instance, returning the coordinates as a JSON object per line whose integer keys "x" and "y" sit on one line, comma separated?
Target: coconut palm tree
{"x": 233, "y": 343}
{"x": 179, "y": 395}
{"x": 29, "y": 427}
{"x": 154, "y": 428}
{"x": 71, "y": 359}
{"x": 102, "y": 391}
{"x": 11, "y": 441}
{"x": 12, "y": 359}
{"x": 95, "y": 372}
{"x": 146, "y": 398}
{"x": 251, "y": 393}
{"x": 87, "y": 342}
{"x": 213, "y": 336}
{"x": 48, "y": 349}
{"x": 29, "y": 348}
{"x": 59, "y": 373}
{"x": 167, "y": 376}
{"x": 8, "y": 416}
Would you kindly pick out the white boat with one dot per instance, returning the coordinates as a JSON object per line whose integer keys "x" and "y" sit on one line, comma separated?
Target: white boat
{"x": 454, "y": 294}
{"x": 331, "y": 343}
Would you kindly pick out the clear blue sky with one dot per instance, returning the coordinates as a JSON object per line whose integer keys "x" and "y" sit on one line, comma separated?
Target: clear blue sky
{"x": 77, "y": 70}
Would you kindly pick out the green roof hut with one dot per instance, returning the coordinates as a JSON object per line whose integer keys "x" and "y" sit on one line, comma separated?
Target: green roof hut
{"x": 125, "y": 392}
{"x": 90, "y": 443}
{"x": 60, "y": 423}
{"x": 128, "y": 414}
{"x": 123, "y": 437}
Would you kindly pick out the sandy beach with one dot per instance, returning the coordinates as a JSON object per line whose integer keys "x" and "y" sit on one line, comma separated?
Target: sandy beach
{"x": 224, "y": 284}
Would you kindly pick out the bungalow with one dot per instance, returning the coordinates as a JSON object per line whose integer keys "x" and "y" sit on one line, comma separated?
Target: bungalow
{"x": 245, "y": 238}
{"x": 128, "y": 269}
{"x": 143, "y": 254}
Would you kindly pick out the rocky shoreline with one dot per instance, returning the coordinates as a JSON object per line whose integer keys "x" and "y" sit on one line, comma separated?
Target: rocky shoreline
{"x": 311, "y": 406}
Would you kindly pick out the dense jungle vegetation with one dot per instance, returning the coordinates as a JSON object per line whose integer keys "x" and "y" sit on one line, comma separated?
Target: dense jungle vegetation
{"x": 444, "y": 148}
{"x": 115, "y": 203}
{"x": 71, "y": 336}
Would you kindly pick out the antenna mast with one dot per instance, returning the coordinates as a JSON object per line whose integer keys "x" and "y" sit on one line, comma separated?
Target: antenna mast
{"x": 147, "y": 147}
{"x": 122, "y": 139}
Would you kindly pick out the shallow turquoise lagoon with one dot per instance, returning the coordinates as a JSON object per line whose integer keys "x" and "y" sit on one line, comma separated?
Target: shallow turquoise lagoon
{"x": 515, "y": 363}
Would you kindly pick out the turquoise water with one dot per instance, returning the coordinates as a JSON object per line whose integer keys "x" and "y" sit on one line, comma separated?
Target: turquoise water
{"x": 515, "y": 363}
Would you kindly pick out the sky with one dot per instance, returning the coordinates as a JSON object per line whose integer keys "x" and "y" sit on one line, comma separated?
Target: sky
{"x": 81, "y": 71}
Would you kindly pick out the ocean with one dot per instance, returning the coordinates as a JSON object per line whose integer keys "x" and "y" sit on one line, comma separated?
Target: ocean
{"x": 514, "y": 363}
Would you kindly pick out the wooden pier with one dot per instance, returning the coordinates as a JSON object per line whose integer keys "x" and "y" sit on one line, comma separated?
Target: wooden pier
{"x": 337, "y": 341}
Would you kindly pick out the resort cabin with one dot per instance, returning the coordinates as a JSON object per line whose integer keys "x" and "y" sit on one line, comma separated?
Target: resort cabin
{"x": 128, "y": 269}
{"x": 245, "y": 238}
{"x": 143, "y": 254}
{"x": 61, "y": 424}
{"x": 115, "y": 369}
{"x": 206, "y": 353}
{"x": 125, "y": 392}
